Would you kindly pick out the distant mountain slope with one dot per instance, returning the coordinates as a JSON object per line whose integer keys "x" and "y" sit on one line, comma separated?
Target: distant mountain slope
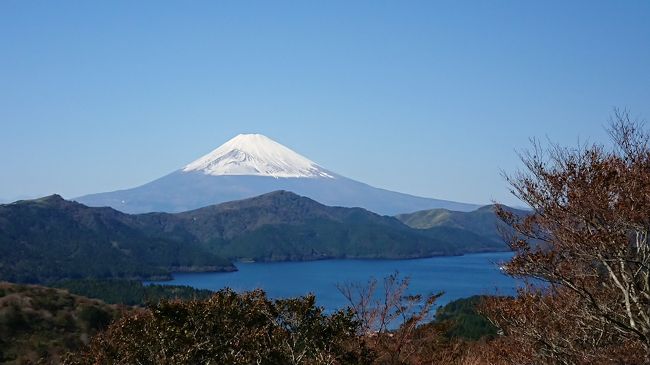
{"x": 250, "y": 165}
{"x": 482, "y": 221}
{"x": 50, "y": 238}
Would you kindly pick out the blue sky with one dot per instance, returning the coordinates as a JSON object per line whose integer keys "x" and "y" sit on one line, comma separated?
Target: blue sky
{"x": 425, "y": 97}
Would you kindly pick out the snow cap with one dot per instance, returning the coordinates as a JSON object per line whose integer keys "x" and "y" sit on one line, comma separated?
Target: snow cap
{"x": 258, "y": 155}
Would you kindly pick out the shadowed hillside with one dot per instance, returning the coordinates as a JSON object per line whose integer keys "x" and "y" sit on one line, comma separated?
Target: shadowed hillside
{"x": 51, "y": 239}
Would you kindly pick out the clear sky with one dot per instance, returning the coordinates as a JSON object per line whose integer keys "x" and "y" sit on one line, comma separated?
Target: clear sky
{"x": 424, "y": 97}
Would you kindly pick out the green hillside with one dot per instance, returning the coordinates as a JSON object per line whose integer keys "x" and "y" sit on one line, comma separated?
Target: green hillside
{"x": 50, "y": 239}
{"x": 130, "y": 292}
{"x": 482, "y": 222}
{"x": 285, "y": 226}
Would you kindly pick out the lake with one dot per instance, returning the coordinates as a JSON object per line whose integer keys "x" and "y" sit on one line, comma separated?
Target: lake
{"x": 457, "y": 276}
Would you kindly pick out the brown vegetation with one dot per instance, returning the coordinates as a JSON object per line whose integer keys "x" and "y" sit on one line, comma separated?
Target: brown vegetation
{"x": 42, "y": 324}
{"x": 229, "y": 328}
{"x": 389, "y": 319}
{"x": 588, "y": 242}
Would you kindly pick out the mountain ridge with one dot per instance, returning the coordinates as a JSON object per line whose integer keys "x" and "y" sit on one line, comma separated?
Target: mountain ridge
{"x": 51, "y": 238}
{"x": 483, "y": 221}
{"x": 252, "y": 165}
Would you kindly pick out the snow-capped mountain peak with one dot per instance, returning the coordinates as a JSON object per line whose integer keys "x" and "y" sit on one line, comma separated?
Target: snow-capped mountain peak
{"x": 256, "y": 154}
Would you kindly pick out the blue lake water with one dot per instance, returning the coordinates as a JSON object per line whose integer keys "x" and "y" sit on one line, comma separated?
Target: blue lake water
{"x": 457, "y": 276}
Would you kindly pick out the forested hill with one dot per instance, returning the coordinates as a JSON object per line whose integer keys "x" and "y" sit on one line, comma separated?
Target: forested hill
{"x": 482, "y": 221}
{"x": 51, "y": 239}
{"x": 285, "y": 226}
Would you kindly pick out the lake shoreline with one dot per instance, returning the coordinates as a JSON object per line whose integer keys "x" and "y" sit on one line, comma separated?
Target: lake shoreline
{"x": 246, "y": 261}
{"x": 458, "y": 276}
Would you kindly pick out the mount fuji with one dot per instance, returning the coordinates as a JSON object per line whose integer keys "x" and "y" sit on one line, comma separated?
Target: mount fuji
{"x": 250, "y": 165}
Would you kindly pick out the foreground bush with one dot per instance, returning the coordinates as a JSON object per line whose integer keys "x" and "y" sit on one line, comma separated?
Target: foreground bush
{"x": 229, "y": 328}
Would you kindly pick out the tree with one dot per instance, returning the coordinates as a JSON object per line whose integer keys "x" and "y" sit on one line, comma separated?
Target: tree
{"x": 229, "y": 328}
{"x": 390, "y": 319}
{"x": 587, "y": 241}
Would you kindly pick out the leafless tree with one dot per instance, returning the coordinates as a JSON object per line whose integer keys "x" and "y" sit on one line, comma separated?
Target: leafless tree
{"x": 389, "y": 316}
{"x": 587, "y": 240}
